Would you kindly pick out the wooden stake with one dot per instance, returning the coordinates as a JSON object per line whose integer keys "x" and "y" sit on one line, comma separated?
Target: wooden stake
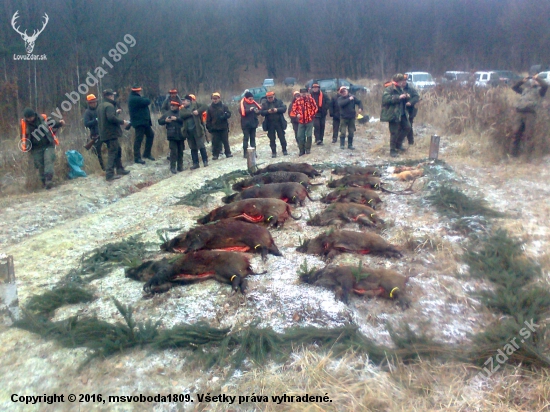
{"x": 434, "y": 147}
{"x": 9, "y": 304}
{"x": 251, "y": 160}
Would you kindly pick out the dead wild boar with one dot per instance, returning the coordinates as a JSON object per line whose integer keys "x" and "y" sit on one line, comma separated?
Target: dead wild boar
{"x": 356, "y": 170}
{"x": 333, "y": 243}
{"x": 353, "y": 195}
{"x": 339, "y": 213}
{"x": 288, "y": 192}
{"x": 225, "y": 267}
{"x": 362, "y": 280}
{"x": 274, "y": 177}
{"x": 227, "y": 234}
{"x": 272, "y": 211}
{"x": 369, "y": 182}
{"x": 290, "y": 167}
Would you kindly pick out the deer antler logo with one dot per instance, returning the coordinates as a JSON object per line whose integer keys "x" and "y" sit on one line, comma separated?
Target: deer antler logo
{"x": 29, "y": 40}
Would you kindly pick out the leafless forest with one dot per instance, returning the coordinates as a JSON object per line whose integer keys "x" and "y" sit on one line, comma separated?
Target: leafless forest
{"x": 205, "y": 44}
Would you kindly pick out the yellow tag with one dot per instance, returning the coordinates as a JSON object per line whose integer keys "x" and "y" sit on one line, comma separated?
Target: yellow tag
{"x": 234, "y": 276}
{"x": 372, "y": 215}
{"x": 257, "y": 246}
{"x": 393, "y": 290}
{"x": 369, "y": 201}
{"x": 269, "y": 218}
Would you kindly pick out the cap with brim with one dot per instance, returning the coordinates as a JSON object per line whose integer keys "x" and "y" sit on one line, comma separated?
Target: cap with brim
{"x": 342, "y": 88}
{"x": 314, "y": 85}
{"x": 91, "y": 98}
{"x": 136, "y": 88}
{"x": 28, "y": 112}
{"x": 295, "y": 92}
{"x": 108, "y": 92}
{"x": 216, "y": 94}
{"x": 175, "y": 103}
{"x": 398, "y": 77}
{"x": 269, "y": 94}
{"x": 188, "y": 97}
{"x": 172, "y": 91}
{"x": 192, "y": 96}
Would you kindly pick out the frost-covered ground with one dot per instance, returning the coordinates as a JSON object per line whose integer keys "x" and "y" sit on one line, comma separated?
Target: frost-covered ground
{"x": 48, "y": 232}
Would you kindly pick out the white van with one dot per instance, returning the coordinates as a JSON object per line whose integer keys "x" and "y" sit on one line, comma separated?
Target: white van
{"x": 487, "y": 79}
{"x": 420, "y": 80}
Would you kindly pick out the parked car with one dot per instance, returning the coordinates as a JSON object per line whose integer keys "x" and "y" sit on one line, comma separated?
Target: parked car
{"x": 269, "y": 83}
{"x": 420, "y": 80}
{"x": 290, "y": 81}
{"x": 257, "y": 92}
{"x": 508, "y": 77}
{"x": 457, "y": 77}
{"x": 487, "y": 79}
{"x": 332, "y": 85}
{"x": 544, "y": 76}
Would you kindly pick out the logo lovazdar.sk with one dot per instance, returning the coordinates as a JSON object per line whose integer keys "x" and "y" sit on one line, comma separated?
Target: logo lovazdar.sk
{"x": 29, "y": 40}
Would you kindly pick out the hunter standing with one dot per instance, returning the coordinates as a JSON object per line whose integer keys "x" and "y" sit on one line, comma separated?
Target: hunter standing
{"x": 217, "y": 125}
{"x": 173, "y": 122}
{"x": 109, "y": 132}
{"x": 292, "y": 115}
{"x": 172, "y": 96}
{"x": 273, "y": 110}
{"x": 321, "y": 100}
{"x": 411, "y": 108}
{"x": 90, "y": 121}
{"x": 334, "y": 111}
{"x": 532, "y": 90}
{"x": 305, "y": 109}
{"x": 140, "y": 119}
{"x": 193, "y": 130}
{"x": 38, "y": 137}
{"x": 394, "y": 100}
{"x": 249, "y": 110}
{"x": 347, "y": 103}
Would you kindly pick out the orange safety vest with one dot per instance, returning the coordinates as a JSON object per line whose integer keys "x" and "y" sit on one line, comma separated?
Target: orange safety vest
{"x": 24, "y": 133}
{"x": 204, "y": 117}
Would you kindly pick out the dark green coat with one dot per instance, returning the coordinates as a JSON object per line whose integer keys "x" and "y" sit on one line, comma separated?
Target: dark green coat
{"x": 415, "y": 98}
{"x": 190, "y": 121}
{"x": 392, "y": 106}
{"x": 44, "y": 135}
{"x": 139, "y": 110}
{"x": 108, "y": 122}
{"x": 173, "y": 128}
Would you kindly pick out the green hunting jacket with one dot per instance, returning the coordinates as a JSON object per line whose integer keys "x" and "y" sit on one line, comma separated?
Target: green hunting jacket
{"x": 192, "y": 122}
{"x": 415, "y": 98}
{"x": 108, "y": 122}
{"x": 392, "y": 106}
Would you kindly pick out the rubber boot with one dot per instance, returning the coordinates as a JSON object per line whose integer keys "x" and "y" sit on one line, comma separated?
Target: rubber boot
{"x": 342, "y": 142}
{"x": 350, "y": 142}
{"x": 195, "y": 158}
{"x": 204, "y": 157}
{"x": 48, "y": 177}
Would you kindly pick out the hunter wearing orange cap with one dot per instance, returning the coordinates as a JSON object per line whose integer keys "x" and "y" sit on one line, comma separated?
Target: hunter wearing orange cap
{"x": 170, "y": 97}
{"x": 321, "y": 100}
{"x": 218, "y": 126}
{"x": 274, "y": 122}
{"x": 140, "y": 118}
{"x": 90, "y": 121}
{"x": 173, "y": 122}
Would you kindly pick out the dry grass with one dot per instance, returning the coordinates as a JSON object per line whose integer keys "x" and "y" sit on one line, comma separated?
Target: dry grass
{"x": 354, "y": 385}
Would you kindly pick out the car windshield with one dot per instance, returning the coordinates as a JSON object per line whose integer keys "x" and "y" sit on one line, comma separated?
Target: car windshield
{"x": 326, "y": 84}
{"x": 478, "y": 76}
{"x": 424, "y": 77}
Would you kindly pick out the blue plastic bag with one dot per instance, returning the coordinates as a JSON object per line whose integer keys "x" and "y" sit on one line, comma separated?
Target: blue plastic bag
{"x": 76, "y": 163}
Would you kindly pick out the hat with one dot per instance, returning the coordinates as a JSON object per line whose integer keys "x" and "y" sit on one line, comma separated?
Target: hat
{"x": 398, "y": 77}
{"x": 268, "y": 94}
{"x": 136, "y": 88}
{"x": 303, "y": 90}
{"x": 342, "y": 88}
{"x": 216, "y": 94}
{"x": 295, "y": 92}
{"x": 248, "y": 95}
{"x": 188, "y": 97}
{"x": 192, "y": 96}
{"x": 91, "y": 98}
{"x": 172, "y": 91}
{"x": 28, "y": 112}
{"x": 173, "y": 103}
{"x": 314, "y": 85}
{"x": 108, "y": 92}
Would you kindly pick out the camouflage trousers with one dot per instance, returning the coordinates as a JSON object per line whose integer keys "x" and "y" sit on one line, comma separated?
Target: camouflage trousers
{"x": 44, "y": 160}
{"x": 398, "y": 131}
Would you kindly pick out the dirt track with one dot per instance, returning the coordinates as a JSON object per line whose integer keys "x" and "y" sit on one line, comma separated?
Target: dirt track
{"x": 49, "y": 231}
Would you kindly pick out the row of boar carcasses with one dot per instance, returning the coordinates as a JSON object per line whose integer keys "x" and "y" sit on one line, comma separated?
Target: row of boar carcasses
{"x": 215, "y": 248}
